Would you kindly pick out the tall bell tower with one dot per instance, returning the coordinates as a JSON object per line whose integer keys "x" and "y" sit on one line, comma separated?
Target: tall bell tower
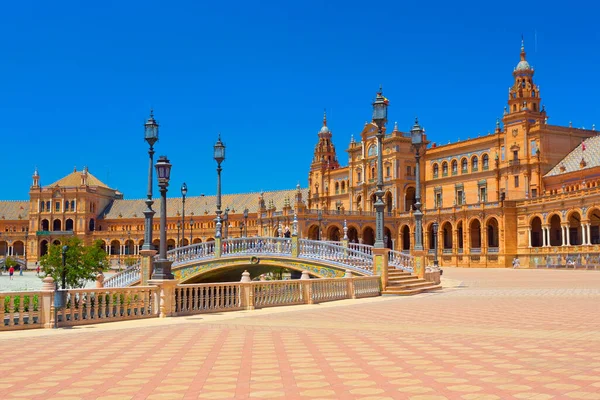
{"x": 324, "y": 160}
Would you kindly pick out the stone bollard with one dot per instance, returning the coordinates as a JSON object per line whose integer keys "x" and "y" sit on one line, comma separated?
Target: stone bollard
{"x": 306, "y": 288}
{"x": 46, "y": 306}
{"x": 246, "y": 277}
{"x": 100, "y": 281}
{"x": 350, "y": 285}
{"x": 165, "y": 302}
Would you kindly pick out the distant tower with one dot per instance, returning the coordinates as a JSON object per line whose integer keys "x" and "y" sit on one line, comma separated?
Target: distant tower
{"x": 36, "y": 179}
{"x": 524, "y": 96}
{"x": 324, "y": 155}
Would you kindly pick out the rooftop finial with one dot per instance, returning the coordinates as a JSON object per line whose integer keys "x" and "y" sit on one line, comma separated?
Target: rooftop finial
{"x": 396, "y": 126}
{"x": 522, "y": 48}
{"x": 151, "y": 112}
{"x": 380, "y": 89}
{"x": 75, "y": 168}
{"x": 35, "y": 171}
{"x": 324, "y": 117}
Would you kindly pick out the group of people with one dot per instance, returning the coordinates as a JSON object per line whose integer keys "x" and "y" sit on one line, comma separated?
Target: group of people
{"x": 11, "y": 270}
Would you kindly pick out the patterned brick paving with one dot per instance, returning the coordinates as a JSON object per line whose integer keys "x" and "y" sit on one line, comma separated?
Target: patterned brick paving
{"x": 500, "y": 334}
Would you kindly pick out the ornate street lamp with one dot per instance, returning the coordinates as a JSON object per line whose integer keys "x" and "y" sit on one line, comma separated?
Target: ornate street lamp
{"x": 245, "y": 222}
{"x": 191, "y": 231}
{"x": 225, "y": 222}
{"x": 319, "y": 218}
{"x": 162, "y": 267}
{"x": 26, "y": 243}
{"x": 63, "y": 272}
{"x": 416, "y": 135}
{"x": 178, "y": 228}
{"x": 183, "y": 193}
{"x": 151, "y": 136}
{"x": 219, "y": 156}
{"x": 435, "y": 244}
{"x": 379, "y": 118}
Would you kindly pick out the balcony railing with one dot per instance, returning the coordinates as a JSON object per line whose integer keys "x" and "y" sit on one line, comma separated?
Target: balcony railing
{"x": 515, "y": 161}
{"x": 54, "y": 233}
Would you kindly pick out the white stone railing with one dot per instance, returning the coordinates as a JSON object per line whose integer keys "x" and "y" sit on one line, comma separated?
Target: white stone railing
{"x": 363, "y": 248}
{"x": 336, "y": 254}
{"x": 124, "y": 278}
{"x": 91, "y": 306}
{"x": 20, "y": 310}
{"x": 217, "y": 297}
{"x": 198, "y": 251}
{"x": 207, "y": 297}
{"x": 401, "y": 261}
{"x": 257, "y": 245}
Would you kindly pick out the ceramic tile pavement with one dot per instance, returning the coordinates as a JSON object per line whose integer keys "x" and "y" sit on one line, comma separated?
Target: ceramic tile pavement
{"x": 499, "y": 334}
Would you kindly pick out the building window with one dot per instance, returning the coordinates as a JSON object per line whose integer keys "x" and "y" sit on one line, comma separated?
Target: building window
{"x": 485, "y": 160}
{"x": 454, "y": 167}
{"x": 464, "y": 166}
{"x": 408, "y": 170}
{"x": 436, "y": 170}
{"x": 474, "y": 164}
{"x": 57, "y": 206}
{"x": 48, "y": 206}
{"x": 387, "y": 172}
{"x": 445, "y": 169}
{"x": 516, "y": 155}
{"x": 358, "y": 176}
{"x": 516, "y": 181}
{"x": 42, "y": 206}
{"x": 483, "y": 194}
{"x": 502, "y": 153}
{"x": 66, "y": 206}
{"x": 438, "y": 199}
{"x": 534, "y": 193}
{"x": 533, "y": 147}
{"x": 459, "y": 197}
{"x": 72, "y": 205}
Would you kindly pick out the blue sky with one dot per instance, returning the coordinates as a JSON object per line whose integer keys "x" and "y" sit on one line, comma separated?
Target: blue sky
{"x": 77, "y": 80}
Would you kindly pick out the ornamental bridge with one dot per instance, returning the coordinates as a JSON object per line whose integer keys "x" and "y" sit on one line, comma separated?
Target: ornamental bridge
{"x": 225, "y": 261}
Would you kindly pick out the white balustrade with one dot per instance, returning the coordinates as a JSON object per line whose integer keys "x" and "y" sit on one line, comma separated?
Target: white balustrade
{"x": 329, "y": 290}
{"x": 20, "y": 310}
{"x": 401, "y": 261}
{"x": 277, "y": 293}
{"x": 127, "y": 277}
{"x": 207, "y": 297}
{"x": 336, "y": 254}
{"x": 198, "y": 251}
{"x": 256, "y": 245}
{"x": 90, "y": 306}
{"x": 366, "y": 286}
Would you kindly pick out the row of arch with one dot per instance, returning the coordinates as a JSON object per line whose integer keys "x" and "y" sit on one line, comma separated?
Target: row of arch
{"x": 57, "y": 225}
{"x": 464, "y": 164}
{"x": 569, "y": 230}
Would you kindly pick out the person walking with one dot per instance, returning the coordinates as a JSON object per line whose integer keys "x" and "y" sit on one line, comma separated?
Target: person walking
{"x": 37, "y": 270}
{"x": 11, "y": 272}
{"x": 516, "y": 263}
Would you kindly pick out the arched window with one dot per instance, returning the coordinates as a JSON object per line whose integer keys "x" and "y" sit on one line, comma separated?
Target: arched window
{"x": 514, "y": 108}
{"x": 372, "y": 172}
{"x": 337, "y": 188}
{"x": 436, "y": 170}
{"x": 464, "y": 165}
{"x": 445, "y": 169}
{"x": 474, "y": 164}
{"x": 533, "y": 93}
{"x": 454, "y": 167}
{"x": 343, "y": 186}
{"x": 72, "y": 205}
{"x": 408, "y": 170}
{"x": 485, "y": 161}
{"x": 359, "y": 176}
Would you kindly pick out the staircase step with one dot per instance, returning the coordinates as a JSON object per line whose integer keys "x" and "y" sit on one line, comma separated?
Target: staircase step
{"x": 410, "y": 285}
{"x": 404, "y": 279}
{"x": 409, "y": 292}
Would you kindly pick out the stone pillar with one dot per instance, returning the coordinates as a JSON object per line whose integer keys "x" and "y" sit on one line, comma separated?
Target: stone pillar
{"x": 166, "y": 304}
{"x": 350, "y": 284}
{"x": 562, "y": 235}
{"x": 46, "y": 305}
{"x": 380, "y": 264}
{"x": 420, "y": 263}
{"x": 306, "y": 288}
{"x": 247, "y": 291}
{"x": 218, "y": 247}
{"x": 99, "y": 281}
{"x": 529, "y": 236}
{"x": 146, "y": 266}
{"x": 295, "y": 247}
{"x": 583, "y": 234}
{"x": 568, "y": 235}
{"x": 589, "y": 236}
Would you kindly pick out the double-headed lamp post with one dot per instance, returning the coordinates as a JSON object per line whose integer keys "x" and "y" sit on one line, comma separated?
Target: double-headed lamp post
{"x": 162, "y": 267}
{"x": 151, "y": 136}
{"x": 178, "y": 228}
{"x": 416, "y": 134}
{"x": 191, "y": 231}
{"x": 435, "y": 243}
{"x": 320, "y": 219}
{"x": 219, "y": 156}
{"x": 183, "y": 193}
{"x": 245, "y": 222}
{"x": 379, "y": 118}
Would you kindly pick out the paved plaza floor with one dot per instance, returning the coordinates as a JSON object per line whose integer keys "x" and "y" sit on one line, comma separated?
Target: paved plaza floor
{"x": 492, "y": 334}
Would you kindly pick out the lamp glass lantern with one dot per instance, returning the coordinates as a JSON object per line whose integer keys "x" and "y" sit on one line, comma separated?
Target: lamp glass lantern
{"x": 380, "y": 106}
{"x": 219, "y": 153}
{"x": 163, "y": 170}
{"x": 416, "y": 134}
{"x": 151, "y": 130}
{"x": 184, "y": 189}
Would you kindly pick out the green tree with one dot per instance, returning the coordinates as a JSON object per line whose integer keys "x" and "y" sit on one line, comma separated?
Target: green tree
{"x": 83, "y": 263}
{"x": 10, "y": 262}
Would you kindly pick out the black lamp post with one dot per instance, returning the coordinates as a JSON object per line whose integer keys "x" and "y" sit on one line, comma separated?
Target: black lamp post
{"x": 226, "y": 223}
{"x": 416, "y": 134}
{"x": 219, "y": 156}
{"x": 191, "y": 231}
{"x": 26, "y": 244}
{"x": 435, "y": 243}
{"x": 245, "y": 222}
{"x": 379, "y": 118}
{"x": 319, "y": 218}
{"x": 151, "y": 136}
{"x": 183, "y": 193}
{"x": 178, "y": 228}
{"x": 63, "y": 272}
{"x": 162, "y": 267}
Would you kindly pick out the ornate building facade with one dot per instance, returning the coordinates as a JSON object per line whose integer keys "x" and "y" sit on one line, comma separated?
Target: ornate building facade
{"x": 528, "y": 189}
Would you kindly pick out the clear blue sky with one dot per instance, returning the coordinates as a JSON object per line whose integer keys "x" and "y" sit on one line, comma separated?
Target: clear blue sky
{"x": 77, "y": 80}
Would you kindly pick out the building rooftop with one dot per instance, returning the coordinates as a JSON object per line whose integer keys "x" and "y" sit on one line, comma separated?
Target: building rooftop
{"x": 588, "y": 151}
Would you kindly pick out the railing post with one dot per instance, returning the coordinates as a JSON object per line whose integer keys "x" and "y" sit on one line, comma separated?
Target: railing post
{"x": 306, "y": 288}
{"x": 420, "y": 258}
{"x": 380, "y": 264}
{"x": 166, "y": 296}
{"x": 247, "y": 291}
{"x": 46, "y": 303}
{"x": 218, "y": 247}
{"x": 99, "y": 281}
{"x": 350, "y": 284}
{"x": 295, "y": 247}
{"x": 146, "y": 265}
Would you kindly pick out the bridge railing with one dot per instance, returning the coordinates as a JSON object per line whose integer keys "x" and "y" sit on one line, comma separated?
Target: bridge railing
{"x": 257, "y": 245}
{"x": 198, "y": 251}
{"x": 401, "y": 261}
{"x": 337, "y": 254}
{"x": 20, "y": 310}
{"x": 127, "y": 277}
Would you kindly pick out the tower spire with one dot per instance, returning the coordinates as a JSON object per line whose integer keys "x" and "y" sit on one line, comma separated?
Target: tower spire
{"x": 324, "y": 117}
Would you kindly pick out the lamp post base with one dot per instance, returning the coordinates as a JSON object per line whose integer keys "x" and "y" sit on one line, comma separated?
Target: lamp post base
{"x": 146, "y": 265}
{"x": 162, "y": 270}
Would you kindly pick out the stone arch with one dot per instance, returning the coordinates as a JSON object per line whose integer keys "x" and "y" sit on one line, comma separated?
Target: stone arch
{"x": 334, "y": 233}
{"x": 45, "y": 225}
{"x": 18, "y": 248}
{"x": 184, "y": 242}
{"x": 69, "y": 224}
{"x": 359, "y": 202}
{"x": 454, "y": 166}
{"x": 196, "y": 240}
{"x": 493, "y": 233}
{"x": 156, "y": 244}
{"x": 575, "y": 228}
{"x": 115, "y": 247}
{"x": 387, "y": 238}
{"x": 92, "y": 225}
{"x": 460, "y": 235}
{"x": 446, "y": 235}
{"x": 485, "y": 161}
{"x": 405, "y": 238}
{"x": 464, "y": 165}
{"x": 388, "y": 201}
{"x": 410, "y": 198}
{"x": 593, "y": 217}
{"x": 129, "y": 248}
{"x": 474, "y": 163}
{"x": 368, "y": 235}
{"x": 352, "y": 234}
{"x": 43, "y": 248}
{"x": 56, "y": 242}
{"x": 555, "y": 230}
{"x": 430, "y": 236}
{"x": 475, "y": 234}
{"x": 373, "y": 198}
{"x": 170, "y": 244}
{"x": 313, "y": 232}
{"x": 435, "y": 169}
{"x": 57, "y": 225}
{"x": 535, "y": 224}
{"x": 445, "y": 168}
